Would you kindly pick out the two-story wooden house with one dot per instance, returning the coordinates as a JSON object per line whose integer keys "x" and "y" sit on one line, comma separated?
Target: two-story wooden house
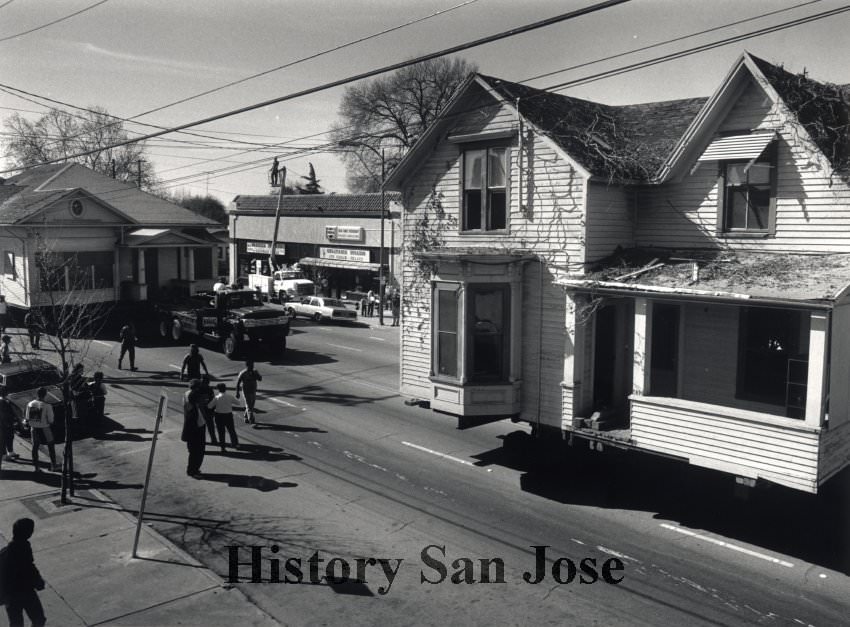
{"x": 668, "y": 277}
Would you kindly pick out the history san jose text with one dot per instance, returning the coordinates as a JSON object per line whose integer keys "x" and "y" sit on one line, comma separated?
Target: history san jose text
{"x": 261, "y": 564}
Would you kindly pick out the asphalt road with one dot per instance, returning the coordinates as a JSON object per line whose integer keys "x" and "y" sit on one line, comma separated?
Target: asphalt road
{"x": 339, "y": 465}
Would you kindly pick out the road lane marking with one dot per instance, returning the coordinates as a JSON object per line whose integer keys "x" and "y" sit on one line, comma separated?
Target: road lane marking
{"x": 608, "y": 551}
{"x": 280, "y": 401}
{"x": 727, "y": 545}
{"x": 102, "y": 343}
{"x": 359, "y": 350}
{"x": 175, "y": 366}
{"x": 380, "y": 339}
{"x": 438, "y": 454}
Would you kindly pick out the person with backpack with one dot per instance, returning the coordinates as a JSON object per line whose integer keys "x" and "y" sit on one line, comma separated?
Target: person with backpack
{"x": 246, "y": 383}
{"x": 19, "y": 577}
{"x": 39, "y": 416}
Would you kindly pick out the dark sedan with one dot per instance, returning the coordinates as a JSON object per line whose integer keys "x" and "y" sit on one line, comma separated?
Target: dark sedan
{"x": 22, "y": 379}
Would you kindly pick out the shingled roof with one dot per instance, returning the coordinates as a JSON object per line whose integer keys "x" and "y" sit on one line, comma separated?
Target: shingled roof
{"x": 311, "y": 204}
{"x": 34, "y": 189}
{"x": 823, "y": 109}
{"x": 616, "y": 142}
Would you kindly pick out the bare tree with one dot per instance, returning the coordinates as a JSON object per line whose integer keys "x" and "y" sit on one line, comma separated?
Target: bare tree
{"x": 397, "y": 107}
{"x": 70, "y": 309}
{"x": 59, "y": 134}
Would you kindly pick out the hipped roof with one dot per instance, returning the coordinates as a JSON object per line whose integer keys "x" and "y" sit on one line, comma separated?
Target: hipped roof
{"x": 320, "y": 204}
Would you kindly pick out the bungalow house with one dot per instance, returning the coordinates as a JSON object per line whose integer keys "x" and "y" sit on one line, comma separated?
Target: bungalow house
{"x": 667, "y": 277}
{"x": 107, "y": 240}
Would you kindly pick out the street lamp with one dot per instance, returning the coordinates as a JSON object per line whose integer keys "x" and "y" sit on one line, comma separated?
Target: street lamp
{"x": 357, "y": 144}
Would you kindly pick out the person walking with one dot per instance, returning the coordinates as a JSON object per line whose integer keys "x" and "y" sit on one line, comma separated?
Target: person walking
{"x": 205, "y": 395}
{"x": 370, "y": 305}
{"x": 222, "y": 407}
{"x": 19, "y": 577}
{"x": 33, "y": 329}
{"x": 396, "y": 307}
{"x": 194, "y": 428}
{"x": 364, "y": 305}
{"x": 39, "y": 416}
{"x": 6, "y": 349}
{"x": 246, "y": 383}
{"x": 7, "y": 427}
{"x": 128, "y": 338}
{"x": 192, "y": 364}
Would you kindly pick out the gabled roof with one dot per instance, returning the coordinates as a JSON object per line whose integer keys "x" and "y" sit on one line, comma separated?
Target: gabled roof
{"x": 625, "y": 143}
{"x": 312, "y": 204}
{"x": 38, "y": 187}
{"x": 615, "y": 142}
{"x": 821, "y": 109}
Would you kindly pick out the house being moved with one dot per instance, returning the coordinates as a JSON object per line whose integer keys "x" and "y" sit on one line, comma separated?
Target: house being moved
{"x": 667, "y": 277}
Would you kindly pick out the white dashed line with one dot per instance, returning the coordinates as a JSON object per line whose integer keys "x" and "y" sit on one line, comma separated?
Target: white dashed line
{"x": 280, "y": 401}
{"x": 102, "y": 343}
{"x": 348, "y": 348}
{"x": 175, "y": 366}
{"x": 727, "y": 545}
{"x": 380, "y": 339}
{"x": 438, "y": 454}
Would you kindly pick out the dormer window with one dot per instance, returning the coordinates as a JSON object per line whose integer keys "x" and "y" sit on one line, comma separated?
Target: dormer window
{"x": 485, "y": 206}
{"x": 748, "y": 195}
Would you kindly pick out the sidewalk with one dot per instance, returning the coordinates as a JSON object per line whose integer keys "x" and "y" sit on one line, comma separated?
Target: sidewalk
{"x": 83, "y": 550}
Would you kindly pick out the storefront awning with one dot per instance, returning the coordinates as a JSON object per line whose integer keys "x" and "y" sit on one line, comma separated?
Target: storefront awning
{"x": 737, "y": 147}
{"x": 338, "y": 263}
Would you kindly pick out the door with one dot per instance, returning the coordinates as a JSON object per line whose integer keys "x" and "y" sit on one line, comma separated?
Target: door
{"x": 152, "y": 271}
{"x": 664, "y": 355}
{"x": 613, "y": 348}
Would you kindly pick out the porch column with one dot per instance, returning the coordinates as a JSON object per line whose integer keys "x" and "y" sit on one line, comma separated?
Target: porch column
{"x": 643, "y": 340}
{"x": 190, "y": 265}
{"x": 819, "y": 325}
{"x": 116, "y": 274}
{"x": 141, "y": 253}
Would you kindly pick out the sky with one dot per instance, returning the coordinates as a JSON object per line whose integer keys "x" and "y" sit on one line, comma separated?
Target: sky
{"x": 130, "y": 56}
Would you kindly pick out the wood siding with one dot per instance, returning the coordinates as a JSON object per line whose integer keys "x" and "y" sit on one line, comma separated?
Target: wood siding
{"x": 546, "y": 218}
{"x": 730, "y": 440}
{"x": 834, "y": 451}
{"x": 812, "y": 208}
{"x": 610, "y": 219}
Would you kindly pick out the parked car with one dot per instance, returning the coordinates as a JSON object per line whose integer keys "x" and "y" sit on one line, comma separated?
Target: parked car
{"x": 22, "y": 380}
{"x": 319, "y": 308}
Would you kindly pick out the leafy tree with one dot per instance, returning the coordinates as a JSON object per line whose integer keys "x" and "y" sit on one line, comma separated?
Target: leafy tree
{"x": 207, "y": 206}
{"x": 59, "y": 134}
{"x": 397, "y": 108}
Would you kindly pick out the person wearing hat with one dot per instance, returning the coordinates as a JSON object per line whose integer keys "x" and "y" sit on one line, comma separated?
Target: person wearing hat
{"x": 19, "y": 577}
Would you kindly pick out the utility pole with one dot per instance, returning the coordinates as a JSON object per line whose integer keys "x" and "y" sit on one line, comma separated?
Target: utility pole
{"x": 282, "y": 181}
{"x": 381, "y": 277}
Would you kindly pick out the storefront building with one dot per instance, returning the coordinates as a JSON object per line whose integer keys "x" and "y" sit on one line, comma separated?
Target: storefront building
{"x": 334, "y": 238}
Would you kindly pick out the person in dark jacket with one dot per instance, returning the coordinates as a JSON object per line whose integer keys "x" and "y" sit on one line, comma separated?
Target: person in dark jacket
{"x": 20, "y": 579}
{"x": 33, "y": 329}
{"x": 194, "y": 427}
{"x": 97, "y": 398}
{"x": 7, "y": 428}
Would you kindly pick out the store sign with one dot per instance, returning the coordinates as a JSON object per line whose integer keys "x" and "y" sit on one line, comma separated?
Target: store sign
{"x": 344, "y": 254}
{"x": 263, "y": 248}
{"x": 344, "y": 233}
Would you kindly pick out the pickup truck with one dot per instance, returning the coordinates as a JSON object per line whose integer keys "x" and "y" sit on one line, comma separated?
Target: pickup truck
{"x": 235, "y": 319}
{"x": 282, "y": 286}
{"x": 319, "y": 308}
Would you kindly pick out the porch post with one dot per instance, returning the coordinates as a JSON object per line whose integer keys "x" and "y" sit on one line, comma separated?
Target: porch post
{"x": 141, "y": 254}
{"x": 190, "y": 265}
{"x": 643, "y": 340}
{"x": 819, "y": 325}
{"x": 116, "y": 274}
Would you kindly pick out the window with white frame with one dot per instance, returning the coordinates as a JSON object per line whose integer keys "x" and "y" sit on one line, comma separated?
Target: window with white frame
{"x": 485, "y": 186}
{"x": 481, "y": 314}
{"x": 748, "y": 194}
{"x": 9, "y": 265}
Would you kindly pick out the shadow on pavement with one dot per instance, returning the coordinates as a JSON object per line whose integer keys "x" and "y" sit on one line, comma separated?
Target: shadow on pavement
{"x": 294, "y": 357}
{"x": 812, "y": 527}
{"x": 260, "y": 426}
{"x": 247, "y": 481}
{"x": 10, "y": 473}
{"x": 256, "y": 452}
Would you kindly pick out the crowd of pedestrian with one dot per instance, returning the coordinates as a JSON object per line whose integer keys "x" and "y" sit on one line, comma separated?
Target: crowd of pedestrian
{"x": 208, "y": 411}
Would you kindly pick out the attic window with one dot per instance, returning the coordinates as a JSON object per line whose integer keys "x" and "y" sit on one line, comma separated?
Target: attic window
{"x": 747, "y": 195}
{"x": 485, "y": 189}
{"x": 76, "y": 207}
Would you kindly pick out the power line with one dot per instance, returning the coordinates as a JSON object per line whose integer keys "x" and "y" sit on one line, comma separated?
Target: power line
{"x": 7, "y": 3}
{"x": 61, "y": 19}
{"x": 368, "y": 74}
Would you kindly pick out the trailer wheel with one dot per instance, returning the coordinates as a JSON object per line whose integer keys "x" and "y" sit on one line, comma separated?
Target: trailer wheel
{"x": 231, "y": 346}
{"x": 176, "y": 330}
